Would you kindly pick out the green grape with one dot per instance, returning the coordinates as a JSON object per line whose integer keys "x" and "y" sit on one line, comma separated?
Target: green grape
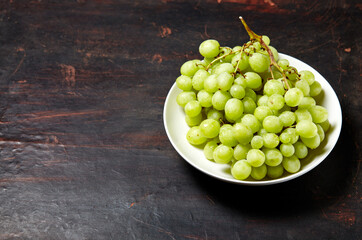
{"x": 211, "y": 84}
{"x": 214, "y": 67}
{"x": 257, "y": 142}
{"x": 249, "y": 105}
{"x": 241, "y": 150}
{"x": 265, "y": 39}
{"x": 237, "y": 48}
{"x": 250, "y": 93}
{"x": 210, "y": 128}
{"x": 270, "y": 140}
{"x": 199, "y": 78}
{"x": 319, "y": 113}
{"x": 219, "y": 99}
{"x": 253, "y": 80}
{"x": 291, "y": 164}
{"x": 290, "y": 84}
{"x": 325, "y": 125}
{"x": 195, "y": 137}
{"x": 293, "y": 134}
{"x": 303, "y": 114}
{"x": 232, "y": 162}
{"x": 308, "y": 76}
{"x": 205, "y": 109}
{"x": 242, "y": 133}
{"x": 275, "y": 53}
{"x": 233, "y": 109}
{"x": 291, "y": 73}
{"x": 320, "y": 132}
{"x": 259, "y": 62}
{"x": 306, "y": 129}
{"x": 285, "y": 108}
{"x": 207, "y": 61}
{"x": 262, "y": 131}
{"x": 193, "y": 121}
{"x": 184, "y": 83}
{"x": 276, "y": 102}
{"x": 255, "y": 157}
{"x": 189, "y": 68}
{"x": 315, "y": 89}
{"x": 273, "y": 157}
{"x": 241, "y": 170}
{"x": 223, "y": 154}
{"x": 307, "y": 102}
{"x": 258, "y": 173}
{"x": 304, "y": 86}
{"x": 285, "y": 137}
{"x": 200, "y": 64}
{"x": 209, "y": 149}
{"x": 301, "y": 150}
{"x": 240, "y": 61}
{"x": 276, "y": 74}
{"x": 287, "y": 149}
{"x": 257, "y": 46}
{"x": 193, "y": 108}
{"x": 204, "y": 98}
{"x": 215, "y": 114}
{"x": 273, "y": 87}
{"x": 225, "y": 81}
{"x": 272, "y": 124}
{"x": 263, "y": 100}
{"x": 226, "y": 52}
{"x": 283, "y": 63}
{"x": 262, "y": 112}
{"x": 209, "y": 48}
{"x": 184, "y": 97}
{"x": 293, "y": 97}
{"x": 237, "y": 91}
{"x": 275, "y": 171}
{"x": 287, "y": 118}
{"x": 252, "y": 122}
{"x": 240, "y": 80}
{"x": 224, "y": 67}
{"x": 226, "y": 136}
{"x": 312, "y": 142}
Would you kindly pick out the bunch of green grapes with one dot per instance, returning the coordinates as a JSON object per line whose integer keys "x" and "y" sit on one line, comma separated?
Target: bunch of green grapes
{"x": 251, "y": 110}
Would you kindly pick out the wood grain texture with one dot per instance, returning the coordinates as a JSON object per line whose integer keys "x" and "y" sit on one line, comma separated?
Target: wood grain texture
{"x": 83, "y": 150}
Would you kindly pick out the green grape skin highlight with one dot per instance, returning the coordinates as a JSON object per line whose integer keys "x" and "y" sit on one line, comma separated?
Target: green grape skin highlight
{"x": 209, "y": 48}
{"x": 223, "y": 154}
{"x": 193, "y": 108}
{"x": 209, "y": 149}
{"x": 195, "y": 137}
{"x": 210, "y": 128}
{"x": 184, "y": 97}
{"x": 258, "y": 173}
{"x": 184, "y": 83}
{"x": 241, "y": 170}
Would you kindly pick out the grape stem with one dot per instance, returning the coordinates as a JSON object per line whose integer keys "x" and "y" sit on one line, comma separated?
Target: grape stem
{"x": 254, "y": 36}
{"x": 220, "y": 57}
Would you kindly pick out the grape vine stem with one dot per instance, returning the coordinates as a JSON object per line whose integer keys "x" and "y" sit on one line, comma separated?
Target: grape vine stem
{"x": 254, "y": 36}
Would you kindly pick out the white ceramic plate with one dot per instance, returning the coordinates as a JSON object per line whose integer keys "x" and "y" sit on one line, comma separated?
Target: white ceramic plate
{"x": 176, "y": 129}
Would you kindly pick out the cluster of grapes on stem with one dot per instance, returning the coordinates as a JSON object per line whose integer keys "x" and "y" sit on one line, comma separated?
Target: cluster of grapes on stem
{"x": 250, "y": 109}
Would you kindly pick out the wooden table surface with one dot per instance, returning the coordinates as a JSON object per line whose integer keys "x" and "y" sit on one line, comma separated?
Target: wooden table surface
{"x": 83, "y": 149}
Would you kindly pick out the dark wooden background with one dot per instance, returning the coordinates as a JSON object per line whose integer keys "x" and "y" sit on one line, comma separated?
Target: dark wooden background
{"x": 83, "y": 150}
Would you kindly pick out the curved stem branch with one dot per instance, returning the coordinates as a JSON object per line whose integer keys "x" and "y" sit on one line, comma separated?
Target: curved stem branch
{"x": 254, "y": 36}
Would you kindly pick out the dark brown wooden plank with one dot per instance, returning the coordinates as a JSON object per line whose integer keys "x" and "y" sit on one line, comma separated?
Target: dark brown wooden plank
{"x": 83, "y": 150}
